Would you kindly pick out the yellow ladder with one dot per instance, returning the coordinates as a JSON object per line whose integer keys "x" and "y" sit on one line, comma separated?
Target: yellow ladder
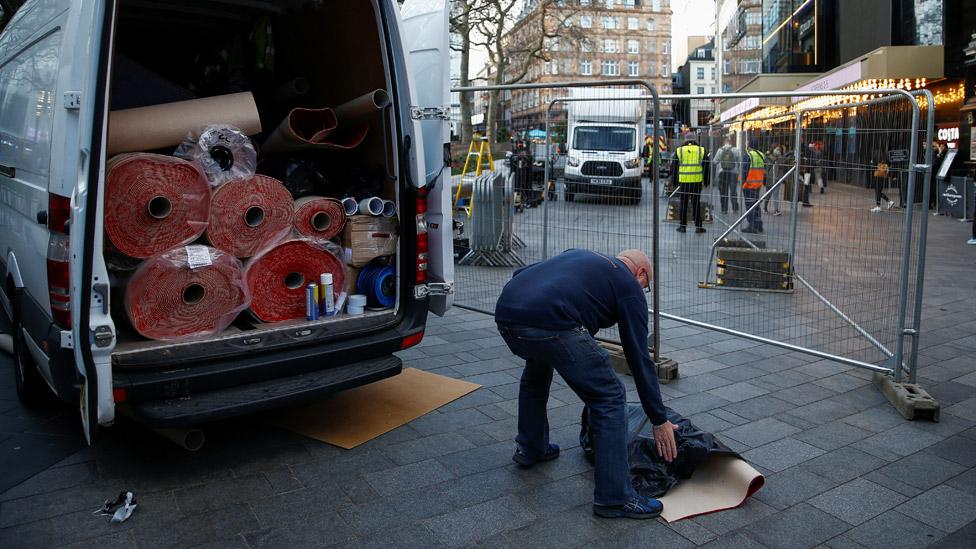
{"x": 479, "y": 154}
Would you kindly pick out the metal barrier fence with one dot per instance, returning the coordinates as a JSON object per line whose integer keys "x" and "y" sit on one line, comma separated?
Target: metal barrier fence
{"x": 837, "y": 279}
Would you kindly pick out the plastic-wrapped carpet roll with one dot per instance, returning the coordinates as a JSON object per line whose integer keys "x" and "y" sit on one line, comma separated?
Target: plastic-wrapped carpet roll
{"x": 248, "y": 215}
{"x": 224, "y": 152}
{"x": 319, "y": 217}
{"x": 185, "y": 292}
{"x": 277, "y": 277}
{"x": 154, "y": 203}
{"x": 378, "y": 284}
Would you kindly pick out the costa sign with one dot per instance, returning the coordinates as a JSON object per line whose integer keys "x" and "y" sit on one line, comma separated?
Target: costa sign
{"x": 948, "y": 133}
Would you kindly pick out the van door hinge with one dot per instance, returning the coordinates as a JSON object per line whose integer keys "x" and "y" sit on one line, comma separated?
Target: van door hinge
{"x": 430, "y": 113}
{"x": 67, "y": 340}
{"x": 72, "y": 100}
{"x": 103, "y": 336}
{"x": 433, "y": 288}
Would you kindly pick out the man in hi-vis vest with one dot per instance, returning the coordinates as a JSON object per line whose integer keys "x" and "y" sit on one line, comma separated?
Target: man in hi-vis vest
{"x": 752, "y": 184}
{"x": 690, "y": 176}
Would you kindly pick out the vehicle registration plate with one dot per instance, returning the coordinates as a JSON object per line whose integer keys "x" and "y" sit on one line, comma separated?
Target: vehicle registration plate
{"x": 601, "y": 181}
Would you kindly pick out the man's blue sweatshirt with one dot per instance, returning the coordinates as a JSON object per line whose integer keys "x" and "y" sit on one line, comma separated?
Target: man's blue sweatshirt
{"x": 583, "y": 288}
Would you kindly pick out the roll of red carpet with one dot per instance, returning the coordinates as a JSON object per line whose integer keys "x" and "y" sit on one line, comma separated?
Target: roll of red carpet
{"x": 277, "y": 277}
{"x": 247, "y": 215}
{"x": 154, "y": 203}
{"x": 319, "y": 217}
{"x": 187, "y": 291}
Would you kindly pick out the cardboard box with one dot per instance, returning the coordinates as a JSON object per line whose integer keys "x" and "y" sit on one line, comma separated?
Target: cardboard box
{"x": 365, "y": 238}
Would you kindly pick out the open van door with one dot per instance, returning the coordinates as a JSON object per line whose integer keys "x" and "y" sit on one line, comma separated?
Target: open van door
{"x": 425, "y": 31}
{"x": 85, "y": 76}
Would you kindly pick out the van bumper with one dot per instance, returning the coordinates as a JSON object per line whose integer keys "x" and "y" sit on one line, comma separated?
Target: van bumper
{"x": 584, "y": 184}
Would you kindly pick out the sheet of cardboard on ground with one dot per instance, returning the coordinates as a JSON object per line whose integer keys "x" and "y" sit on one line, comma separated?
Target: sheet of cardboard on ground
{"x": 358, "y": 415}
{"x": 722, "y": 482}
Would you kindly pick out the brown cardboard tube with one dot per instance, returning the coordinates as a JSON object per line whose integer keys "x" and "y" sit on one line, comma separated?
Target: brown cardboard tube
{"x": 166, "y": 125}
{"x": 364, "y": 105}
{"x": 312, "y": 129}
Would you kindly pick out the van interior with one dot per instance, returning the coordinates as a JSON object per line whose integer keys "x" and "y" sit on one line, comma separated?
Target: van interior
{"x": 288, "y": 54}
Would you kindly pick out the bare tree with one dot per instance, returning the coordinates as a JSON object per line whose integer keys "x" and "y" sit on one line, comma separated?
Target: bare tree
{"x": 464, "y": 15}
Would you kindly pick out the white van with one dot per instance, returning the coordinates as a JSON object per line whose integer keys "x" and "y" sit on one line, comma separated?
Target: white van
{"x": 65, "y": 64}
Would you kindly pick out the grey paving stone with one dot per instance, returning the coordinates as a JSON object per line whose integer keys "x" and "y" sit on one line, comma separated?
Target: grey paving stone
{"x": 484, "y": 366}
{"x": 492, "y": 379}
{"x": 197, "y": 529}
{"x": 759, "y": 407}
{"x": 843, "y": 464}
{"x": 877, "y": 419}
{"x": 861, "y": 398}
{"x": 965, "y": 409}
{"x": 507, "y": 391}
{"x": 575, "y": 527}
{"x": 833, "y": 435}
{"x": 299, "y": 504}
{"x": 697, "y": 384}
{"x": 740, "y": 373}
{"x": 645, "y": 534}
{"x": 693, "y": 404}
{"x": 557, "y": 496}
{"x": 734, "y": 541}
{"x": 323, "y": 529}
{"x": 481, "y": 521}
{"x": 822, "y": 411}
{"x": 842, "y": 382}
{"x": 959, "y": 449}
{"x": 801, "y": 395}
{"x": 922, "y": 470}
{"x": 760, "y": 432}
{"x": 55, "y": 478}
{"x": 893, "y": 530}
{"x": 857, "y": 501}
{"x": 427, "y": 447}
{"x": 478, "y": 459}
{"x": 726, "y": 415}
{"x": 943, "y": 507}
{"x": 338, "y": 466}
{"x": 785, "y": 379}
{"x": 737, "y": 392}
{"x": 120, "y": 540}
{"x": 949, "y": 392}
{"x": 798, "y": 526}
{"x": 964, "y": 538}
{"x": 412, "y": 536}
{"x": 901, "y": 441}
{"x": 282, "y": 479}
{"x": 965, "y": 482}
{"x": 726, "y": 521}
{"x": 408, "y": 477}
{"x": 692, "y": 531}
{"x": 475, "y": 399}
{"x": 709, "y": 422}
{"x": 782, "y": 454}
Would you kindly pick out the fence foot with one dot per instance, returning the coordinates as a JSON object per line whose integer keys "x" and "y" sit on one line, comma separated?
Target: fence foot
{"x": 667, "y": 369}
{"x": 909, "y": 399}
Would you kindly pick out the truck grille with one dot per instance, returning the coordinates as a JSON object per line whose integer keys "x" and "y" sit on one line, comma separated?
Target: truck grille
{"x": 602, "y": 169}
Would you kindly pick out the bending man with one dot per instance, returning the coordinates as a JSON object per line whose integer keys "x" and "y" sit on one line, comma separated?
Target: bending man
{"x": 548, "y": 314}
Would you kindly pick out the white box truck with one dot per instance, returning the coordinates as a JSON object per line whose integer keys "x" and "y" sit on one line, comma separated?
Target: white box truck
{"x": 604, "y": 138}
{"x": 65, "y": 64}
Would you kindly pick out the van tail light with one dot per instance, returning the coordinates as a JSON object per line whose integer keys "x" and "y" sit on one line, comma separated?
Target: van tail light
{"x": 421, "y": 240}
{"x": 411, "y": 340}
{"x": 58, "y": 265}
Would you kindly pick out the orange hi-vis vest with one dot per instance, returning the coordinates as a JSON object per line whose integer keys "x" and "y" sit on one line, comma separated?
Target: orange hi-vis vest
{"x": 757, "y": 170}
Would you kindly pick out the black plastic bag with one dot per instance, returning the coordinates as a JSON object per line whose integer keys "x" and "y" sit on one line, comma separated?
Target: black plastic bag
{"x": 650, "y": 475}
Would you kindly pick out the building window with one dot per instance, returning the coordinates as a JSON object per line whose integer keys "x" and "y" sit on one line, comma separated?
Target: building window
{"x": 752, "y": 42}
{"x": 554, "y": 43}
{"x": 568, "y": 22}
{"x": 606, "y": 22}
{"x": 610, "y": 68}
{"x": 584, "y": 2}
{"x": 701, "y": 90}
{"x": 651, "y": 46}
{"x": 711, "y": 73}
{"x": 656, "y": 5}
{"x": 665, "y": 70}
{"x": 628, "y": 3}
{"x": 633, "y": 68}
{"x": 586, "y": 68}
{"x": 586, "y": 46}
{"x": 545, "y": 68}
{"x": 610, "y": 46}
{"x": 651, "y": 69}
{"x": 700, "y": 73}
{"x": 665, "y": 47}
{"x": 586, "y": 21}
{"x": 633, "y": 46}
{"x": 609, "y": 4}
{"x": 726, "y": 88}
{"x": 650, "y": 24}
{"x": 726, "y": 66}
{"x": 555, "y": 67}
{"x": 753, "y": 18}
{"x": 632, "y": 23}
{"x": 749, "y": 66}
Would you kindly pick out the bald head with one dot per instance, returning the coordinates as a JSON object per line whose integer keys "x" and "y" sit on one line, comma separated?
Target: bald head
{"x": 639, "y": 265}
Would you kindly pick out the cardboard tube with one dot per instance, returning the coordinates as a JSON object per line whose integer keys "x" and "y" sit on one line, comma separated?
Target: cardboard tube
{"x": 364, "y": 105}
{"x": 166, "y": 125}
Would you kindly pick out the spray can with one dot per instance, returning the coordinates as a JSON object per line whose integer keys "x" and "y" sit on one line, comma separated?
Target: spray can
{"x": 311, "y": 302}
{"x": 327, "y": 294}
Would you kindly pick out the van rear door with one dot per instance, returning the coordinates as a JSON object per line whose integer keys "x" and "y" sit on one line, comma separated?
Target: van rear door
{"x": 89, "y": 36}
{"x": 425, "y": 34}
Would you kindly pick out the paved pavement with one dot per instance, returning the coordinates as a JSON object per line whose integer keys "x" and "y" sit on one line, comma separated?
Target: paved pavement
{"x": 843, "y": 468}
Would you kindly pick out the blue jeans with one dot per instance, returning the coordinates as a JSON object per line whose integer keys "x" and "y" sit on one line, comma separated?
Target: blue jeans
{"x": 755, "y": 216}
{"x": 585, "y": 366}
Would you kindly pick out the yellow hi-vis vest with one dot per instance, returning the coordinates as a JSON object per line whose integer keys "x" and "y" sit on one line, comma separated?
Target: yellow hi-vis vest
{"x": 690, "y": 158}
{"x": 757, "y": 170}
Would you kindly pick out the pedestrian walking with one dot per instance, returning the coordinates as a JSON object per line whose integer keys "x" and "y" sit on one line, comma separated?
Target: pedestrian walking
{"x": 816, "y": 160}
{"x": 774, "y": 159}
{"x": 880, "y": 182}
{"x": 727, "y": 163}
{"x": 690, "y": 176}
{"x": 755, "y": 178}
{"x": 548, "y": 314}
{"x": 809, "y": 169}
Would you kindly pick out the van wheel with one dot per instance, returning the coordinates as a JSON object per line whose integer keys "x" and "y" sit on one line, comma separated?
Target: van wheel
{"x": 31, "y": 389}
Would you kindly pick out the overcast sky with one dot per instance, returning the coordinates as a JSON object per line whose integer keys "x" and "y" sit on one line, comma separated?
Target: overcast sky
{"x": 691, "y": 17}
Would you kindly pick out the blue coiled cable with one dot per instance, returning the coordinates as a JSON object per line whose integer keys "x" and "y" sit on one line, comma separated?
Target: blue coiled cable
{"x": 378, "y": 284}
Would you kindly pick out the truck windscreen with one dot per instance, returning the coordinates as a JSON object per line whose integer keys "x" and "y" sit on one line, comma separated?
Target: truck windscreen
{"x": 603, "y": 138}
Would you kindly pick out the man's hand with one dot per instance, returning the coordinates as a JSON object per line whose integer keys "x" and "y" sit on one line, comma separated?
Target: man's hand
{"x": 664, "y": 441}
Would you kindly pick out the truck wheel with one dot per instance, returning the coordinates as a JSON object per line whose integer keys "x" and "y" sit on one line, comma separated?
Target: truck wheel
{"x": 31, "y": 389}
